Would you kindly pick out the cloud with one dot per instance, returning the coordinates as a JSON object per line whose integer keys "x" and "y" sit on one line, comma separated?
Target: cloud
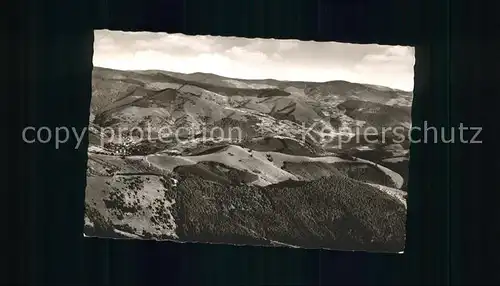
{"x": 392, "y": 67}
{"x": 256, "y": 58}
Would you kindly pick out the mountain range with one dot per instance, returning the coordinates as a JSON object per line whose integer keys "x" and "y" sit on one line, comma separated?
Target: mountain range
{"x": 205, "y": 158}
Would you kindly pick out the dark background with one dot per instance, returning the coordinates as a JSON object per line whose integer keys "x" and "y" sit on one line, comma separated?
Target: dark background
{"x": 449, "y": 208}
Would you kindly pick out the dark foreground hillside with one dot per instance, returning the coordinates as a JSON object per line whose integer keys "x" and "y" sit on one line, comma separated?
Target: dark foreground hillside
{"x": 332, "y": 212}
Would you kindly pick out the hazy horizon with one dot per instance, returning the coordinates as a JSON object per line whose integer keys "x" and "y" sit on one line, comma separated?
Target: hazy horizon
{"x": 256, "y": 58}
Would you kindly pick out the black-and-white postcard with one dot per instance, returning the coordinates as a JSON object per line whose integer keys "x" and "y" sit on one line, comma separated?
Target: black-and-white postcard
{"x": 244, "y": 141}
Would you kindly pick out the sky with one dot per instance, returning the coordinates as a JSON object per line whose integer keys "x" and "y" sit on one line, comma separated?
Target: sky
{"x": 255, "y": 58}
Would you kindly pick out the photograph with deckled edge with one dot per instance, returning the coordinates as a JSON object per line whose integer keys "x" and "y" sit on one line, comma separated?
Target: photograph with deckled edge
{"x": 249, "y": 141}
